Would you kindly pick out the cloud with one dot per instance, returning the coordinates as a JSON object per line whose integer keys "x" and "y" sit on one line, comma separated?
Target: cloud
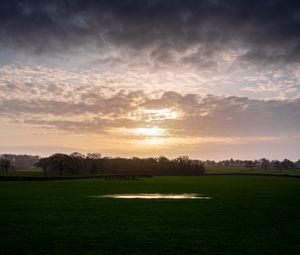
{"x": 96, "y": 109}
{"x": 266, "y": 31}
{"x": 263, "y": 87}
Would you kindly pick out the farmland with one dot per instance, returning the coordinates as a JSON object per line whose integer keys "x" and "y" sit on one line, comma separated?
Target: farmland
{"x": 246, "y": 215}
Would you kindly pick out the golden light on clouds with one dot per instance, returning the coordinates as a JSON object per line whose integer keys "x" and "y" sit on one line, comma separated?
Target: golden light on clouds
{"x": 141, "y": 123}
{"x": 158, "y": 114}
{"x": 153, "y": 135}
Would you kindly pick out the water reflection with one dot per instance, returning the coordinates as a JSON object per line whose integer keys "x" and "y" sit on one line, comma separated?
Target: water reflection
{"x": 155, "y": 196}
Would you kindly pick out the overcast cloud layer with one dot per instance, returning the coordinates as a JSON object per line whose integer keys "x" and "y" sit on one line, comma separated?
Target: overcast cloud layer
{"x": 248, "y": 48}
{"x": 266, "y": 30}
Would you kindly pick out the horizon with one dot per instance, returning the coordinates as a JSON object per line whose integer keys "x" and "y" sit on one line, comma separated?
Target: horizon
{"x": 208, "y": 79}
{"x": 69, "y": 152}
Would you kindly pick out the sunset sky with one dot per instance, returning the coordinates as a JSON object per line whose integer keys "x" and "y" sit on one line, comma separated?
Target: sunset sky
{"x": 209, "y": 79}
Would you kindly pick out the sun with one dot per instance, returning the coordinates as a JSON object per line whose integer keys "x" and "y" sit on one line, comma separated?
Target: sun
{"x": 150, "y": 132}
{"x": 151, "y": 135}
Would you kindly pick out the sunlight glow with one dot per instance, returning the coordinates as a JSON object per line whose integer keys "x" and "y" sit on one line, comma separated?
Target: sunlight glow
{"x": 154, "y": 131}
{"x": 155, "y": 141}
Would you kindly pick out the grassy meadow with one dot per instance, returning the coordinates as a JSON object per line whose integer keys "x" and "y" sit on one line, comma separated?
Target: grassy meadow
{"x": 246, "y": 215}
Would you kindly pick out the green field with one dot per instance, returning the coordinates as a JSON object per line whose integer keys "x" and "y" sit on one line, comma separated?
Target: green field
{"x": 246, "y": 215}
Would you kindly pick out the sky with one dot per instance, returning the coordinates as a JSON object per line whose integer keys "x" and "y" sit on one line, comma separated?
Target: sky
{"x": 210, "y": 79}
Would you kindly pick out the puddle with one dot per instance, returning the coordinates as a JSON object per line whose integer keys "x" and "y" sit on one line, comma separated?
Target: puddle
{"x": 155, "y": 196}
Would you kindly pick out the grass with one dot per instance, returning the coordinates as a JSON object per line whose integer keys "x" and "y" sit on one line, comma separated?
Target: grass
{"x": 29, "y": 171}
{"x": 247, "y": 215}
{"x": 21, "y": 173}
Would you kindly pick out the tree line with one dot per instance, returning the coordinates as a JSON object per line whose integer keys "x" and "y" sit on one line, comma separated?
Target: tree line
{"x": 93, "y": 163}
{"x": 262, "y": 163}
{"x": 17, "y": 161}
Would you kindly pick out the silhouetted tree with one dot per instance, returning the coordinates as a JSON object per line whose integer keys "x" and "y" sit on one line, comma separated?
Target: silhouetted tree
{"x": 287, "y": 164}
{"x": 297, "y": 164}
{"x": 264, "y": 163}
{"x": 77, "y": 163}
{"x": 198, "y": 167}
{"x": 183, "y": 164}
{"x": 94, "y": 156}
{"x": 43, "y": 163}
{"x": 249, "y": 164}
{"x": 276, "y": 164}
{"x": 94, "y": 163}
{"x": 59, "y": 162}
{"x": 5, "y": 163}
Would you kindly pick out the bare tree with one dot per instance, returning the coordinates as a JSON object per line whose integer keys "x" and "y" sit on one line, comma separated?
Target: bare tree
{"x": 5, "y": 163}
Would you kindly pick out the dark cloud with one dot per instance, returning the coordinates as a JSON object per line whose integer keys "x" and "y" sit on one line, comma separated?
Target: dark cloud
{"x": 267, "y": 30}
